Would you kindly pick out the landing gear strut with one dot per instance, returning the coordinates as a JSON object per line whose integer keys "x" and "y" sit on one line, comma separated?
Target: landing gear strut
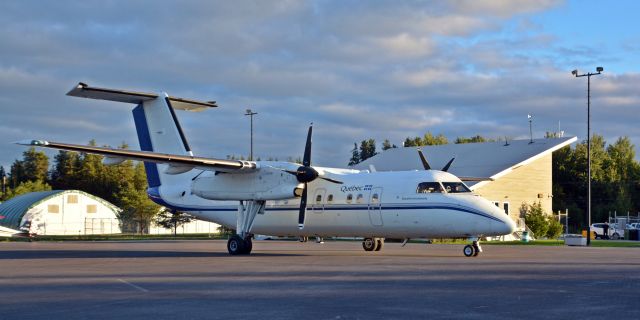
{"x": 372, "y": 244}
{"x": 472, "y": 250}
{"x": 241, "y": 243}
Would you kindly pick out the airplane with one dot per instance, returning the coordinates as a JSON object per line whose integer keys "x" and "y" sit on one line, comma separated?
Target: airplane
{"x": 271, "y": 197}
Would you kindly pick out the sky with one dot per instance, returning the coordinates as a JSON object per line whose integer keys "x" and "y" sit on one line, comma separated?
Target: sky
{"x": 356, "y": 69}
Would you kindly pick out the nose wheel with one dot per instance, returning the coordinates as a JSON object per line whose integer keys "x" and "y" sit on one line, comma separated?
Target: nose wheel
{"x": 372, "y": 244}
{"x": 472, "y": 250}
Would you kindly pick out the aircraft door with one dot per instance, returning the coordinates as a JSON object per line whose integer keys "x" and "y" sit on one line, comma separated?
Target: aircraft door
{"x": 375, "y": 206}
{"x": 318, "y": 201}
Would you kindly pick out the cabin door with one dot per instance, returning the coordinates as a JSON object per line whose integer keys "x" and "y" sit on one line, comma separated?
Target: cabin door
{"x": 375, "y": 206}
{"x": 318, "y": 201}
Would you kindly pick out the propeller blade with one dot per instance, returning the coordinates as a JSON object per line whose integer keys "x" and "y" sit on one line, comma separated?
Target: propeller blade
{"x": 303, "y": 207}
{"x": 331, "y": 180}
{"x": 425, "y": 164}
{"x": 306, "y": 160}
{"x": 446, "y": 167}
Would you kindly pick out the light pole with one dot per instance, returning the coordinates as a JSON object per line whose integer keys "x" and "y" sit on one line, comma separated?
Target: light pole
{"x": 530, "y": 128}
{"x": 250, "y": 114}
{"x": 588, "y": 75}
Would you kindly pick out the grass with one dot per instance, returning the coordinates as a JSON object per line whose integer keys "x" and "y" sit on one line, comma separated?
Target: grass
{"x": 594, "y": 243}
{"x": 121, "y": 237}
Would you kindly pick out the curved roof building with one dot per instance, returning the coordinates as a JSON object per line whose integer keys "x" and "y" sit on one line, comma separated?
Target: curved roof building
{"x": 59, "y": 212}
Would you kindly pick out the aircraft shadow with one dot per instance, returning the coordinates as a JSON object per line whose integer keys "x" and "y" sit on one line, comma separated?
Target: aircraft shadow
{"x": 101, "y": 254}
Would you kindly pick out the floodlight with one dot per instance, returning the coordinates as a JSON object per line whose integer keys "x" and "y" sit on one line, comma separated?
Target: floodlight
{"x": 574, "y": 72}
{"x": 599, "y": 69}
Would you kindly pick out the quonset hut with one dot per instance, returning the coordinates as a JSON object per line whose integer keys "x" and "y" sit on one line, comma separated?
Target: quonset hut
{"x": 59, "y": 212}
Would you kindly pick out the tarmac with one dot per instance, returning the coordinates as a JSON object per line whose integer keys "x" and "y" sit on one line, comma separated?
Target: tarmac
{"x": 334, "y": 280}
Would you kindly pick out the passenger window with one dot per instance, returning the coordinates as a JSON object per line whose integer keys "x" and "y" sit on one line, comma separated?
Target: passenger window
{"x": 375, "y": 198}
{"x": 429, "y": 187}
{"x": 319, "y": 198}
{"x": 330, "y": 198}
{"x": 359, "y": 198}
{"x": 349, "y": 198}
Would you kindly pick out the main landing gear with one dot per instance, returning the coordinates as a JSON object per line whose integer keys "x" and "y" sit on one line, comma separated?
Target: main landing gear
{"x": 372, "y": 244}
{"x": 472, "y": 250}
{"x": 236, "y": 245}
{"x": 240, "y": 243}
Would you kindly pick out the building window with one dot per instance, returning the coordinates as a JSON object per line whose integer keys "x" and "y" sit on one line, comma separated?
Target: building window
{"x": 505, "y": 206}
{"x": 72, "y": 198}
{"x": 92, "y": 208}
{"x": 330, "y": 198}
{"x": 349, "y": 198}
{"x": 53, "y": 208}
{"x": 359, "y": 198}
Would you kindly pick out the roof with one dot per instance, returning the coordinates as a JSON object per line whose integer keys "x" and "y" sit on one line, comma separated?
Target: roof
{"x": 12, "y": 210}
{"x": 485, "y": 160}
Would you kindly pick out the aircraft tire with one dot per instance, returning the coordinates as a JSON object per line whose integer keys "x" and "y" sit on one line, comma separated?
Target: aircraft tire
{"x": 303, "y": 239}
{"x": 469, "y": 251}
{"x": 379, "y": 243}
{"x": 235, "y": 245}
{"x": 248, "y": 245}
{"x": 369, "y": 244}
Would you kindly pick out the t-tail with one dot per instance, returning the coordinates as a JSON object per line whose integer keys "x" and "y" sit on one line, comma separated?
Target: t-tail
{"x": 157, "y": 126}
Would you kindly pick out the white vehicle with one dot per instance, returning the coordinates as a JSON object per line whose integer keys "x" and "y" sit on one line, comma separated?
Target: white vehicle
{"x": 270, "y": 197}
{"x": 613, "y": 232}
{"x": 635, "y": 225}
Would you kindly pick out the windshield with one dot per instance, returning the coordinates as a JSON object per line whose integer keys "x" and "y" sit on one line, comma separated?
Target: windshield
{"x": 429, "y": 187}
{"x": 455, "y": 187}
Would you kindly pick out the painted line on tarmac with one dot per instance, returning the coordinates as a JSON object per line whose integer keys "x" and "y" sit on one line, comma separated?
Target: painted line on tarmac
{"x": 139, "y": 288}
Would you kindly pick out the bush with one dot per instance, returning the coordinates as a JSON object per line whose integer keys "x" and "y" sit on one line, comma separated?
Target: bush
{"x": 535, "y": 218}
{"x": 555, "y": 228}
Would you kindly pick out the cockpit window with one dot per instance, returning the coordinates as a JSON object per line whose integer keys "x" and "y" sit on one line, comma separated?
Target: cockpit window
{"x": 455, "y": 187}
{"x": 429, "y": 187}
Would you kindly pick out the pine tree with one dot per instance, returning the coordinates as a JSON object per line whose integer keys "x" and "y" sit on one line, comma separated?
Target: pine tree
{"x": 355, "y": 155}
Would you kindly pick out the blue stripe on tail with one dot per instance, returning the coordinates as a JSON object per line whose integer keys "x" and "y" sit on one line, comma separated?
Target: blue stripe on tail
{"x": 153, "y": 178}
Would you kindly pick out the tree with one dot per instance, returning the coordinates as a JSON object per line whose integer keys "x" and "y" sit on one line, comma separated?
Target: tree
{"x": 535, "y": 218}
{"x": 386, "y": 145}
{"x": 35, "y": 165}
{"x": 474, "y": 139}
{"x": 28, "y": 186}
{"x": 367, "y": 149}
{"x": 427, "y": 140}
{"x": 172, "y": 219}
{"x": 3, "y": 182}
{"x": 355, "y": 155}
{"x": 16, "y": 174}
{"x": 555, "y": 228}
{"x": 64, "y": 174}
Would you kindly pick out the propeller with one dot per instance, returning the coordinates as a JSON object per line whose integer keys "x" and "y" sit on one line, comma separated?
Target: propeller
{"x": 305, "y": 174}
{"x": 426, "y": 165}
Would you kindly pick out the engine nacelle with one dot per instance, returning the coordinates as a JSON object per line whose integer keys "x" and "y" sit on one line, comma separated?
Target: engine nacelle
{"x": 262, "y": 185}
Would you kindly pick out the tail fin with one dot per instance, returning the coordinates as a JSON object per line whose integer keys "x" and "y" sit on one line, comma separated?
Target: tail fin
{"x": 156, "y": 123}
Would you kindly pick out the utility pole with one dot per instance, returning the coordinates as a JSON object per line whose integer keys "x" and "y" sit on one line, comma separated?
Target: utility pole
{"x": 251, "y": 114}
{"x": 530, "y": 128}
{"x": 588, "y": 75}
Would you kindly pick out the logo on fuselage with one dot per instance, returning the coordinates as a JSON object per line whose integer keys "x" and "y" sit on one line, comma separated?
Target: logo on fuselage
{"x": 366, "y": 187}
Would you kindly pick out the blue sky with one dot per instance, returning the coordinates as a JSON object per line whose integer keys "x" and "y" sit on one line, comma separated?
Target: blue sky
{"x": 357, "y": 69}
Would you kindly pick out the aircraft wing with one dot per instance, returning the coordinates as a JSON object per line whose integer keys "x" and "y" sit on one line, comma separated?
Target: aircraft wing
{"x": 177, "y": 163}
{"x": 475, "y": 179}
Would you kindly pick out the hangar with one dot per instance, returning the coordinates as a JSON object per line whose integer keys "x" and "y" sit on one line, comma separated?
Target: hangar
{"x": 521, "y": 169}
{"x": 59, "y": 212}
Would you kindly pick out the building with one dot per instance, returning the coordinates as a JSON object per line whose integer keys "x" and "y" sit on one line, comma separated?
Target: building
{"x": 59, "y": 212}
{"x": 521, "y": 170}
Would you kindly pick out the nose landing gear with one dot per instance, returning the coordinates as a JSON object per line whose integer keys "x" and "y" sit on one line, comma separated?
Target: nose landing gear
{"x": 472, "y": 250}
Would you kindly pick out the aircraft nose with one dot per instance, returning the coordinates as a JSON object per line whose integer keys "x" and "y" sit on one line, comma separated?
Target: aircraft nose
{"x": 506, "y": 226}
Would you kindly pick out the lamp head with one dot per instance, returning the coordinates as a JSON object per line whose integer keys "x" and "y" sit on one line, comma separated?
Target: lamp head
{"x": 248, "y": 111}
{"x": 599, "y": 69}
{"x": 574, "y": 72}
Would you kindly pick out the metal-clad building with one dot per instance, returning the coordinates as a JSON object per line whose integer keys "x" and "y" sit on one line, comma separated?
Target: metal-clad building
{"x": 59, "y": 212}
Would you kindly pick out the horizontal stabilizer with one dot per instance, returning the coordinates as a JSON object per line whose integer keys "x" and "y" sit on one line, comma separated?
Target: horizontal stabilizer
{"x": 83, "y": 90}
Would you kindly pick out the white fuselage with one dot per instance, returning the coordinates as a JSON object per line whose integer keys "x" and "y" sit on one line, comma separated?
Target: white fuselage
{"x": 378, "y": 204}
